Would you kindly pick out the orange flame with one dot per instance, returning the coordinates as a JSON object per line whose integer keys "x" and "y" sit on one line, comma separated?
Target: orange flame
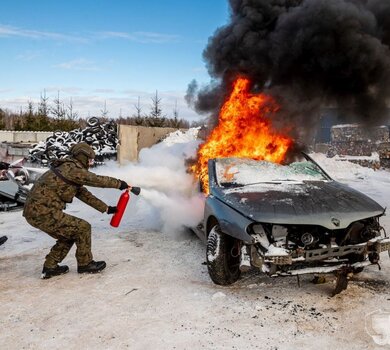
{"x": 243, "y": 131}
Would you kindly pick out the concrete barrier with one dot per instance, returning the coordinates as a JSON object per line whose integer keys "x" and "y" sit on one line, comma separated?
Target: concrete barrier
{"x": 133, "y": 138}
{"x": 15, "y": 144}
{"x": 24, "y": 136}
{"x": 10, "y": 152}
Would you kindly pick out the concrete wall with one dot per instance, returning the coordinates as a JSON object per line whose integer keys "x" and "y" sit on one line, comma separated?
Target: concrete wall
{"x": 15, "y": 144}
{"x": 24, "y": 136}
{"x": 133, "y": 138}
{"x": 10, "y": 152}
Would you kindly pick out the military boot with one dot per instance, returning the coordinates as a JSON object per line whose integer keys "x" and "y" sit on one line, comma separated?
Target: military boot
{"x": 3, "y": 240}
{"x": 92, "y": 267}
{"x": 48, "y": 272}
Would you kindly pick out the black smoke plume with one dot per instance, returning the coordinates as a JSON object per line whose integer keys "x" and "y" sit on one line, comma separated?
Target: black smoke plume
{"x": 308, "y": 54}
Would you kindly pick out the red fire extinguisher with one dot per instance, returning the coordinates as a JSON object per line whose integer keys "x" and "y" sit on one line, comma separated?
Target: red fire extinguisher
{"x": 122, "y": 204}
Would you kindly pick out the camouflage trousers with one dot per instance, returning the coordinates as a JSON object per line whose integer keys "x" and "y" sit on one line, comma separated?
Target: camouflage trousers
{"x": 67, "y": 230}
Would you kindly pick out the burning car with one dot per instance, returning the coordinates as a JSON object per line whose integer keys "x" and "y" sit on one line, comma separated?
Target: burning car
{"x": 287, "y": 220}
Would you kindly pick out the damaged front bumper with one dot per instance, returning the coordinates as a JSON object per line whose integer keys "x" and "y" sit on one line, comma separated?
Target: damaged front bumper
{"x": 325, "y": 260}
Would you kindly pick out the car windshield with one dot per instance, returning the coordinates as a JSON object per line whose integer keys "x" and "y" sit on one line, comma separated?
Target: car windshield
{"x": 243, "y": 172}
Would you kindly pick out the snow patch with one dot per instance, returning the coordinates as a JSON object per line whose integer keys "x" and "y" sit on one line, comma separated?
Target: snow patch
{"x": 276, "y": 251}
{"x": 218, "y": 295}
{"x": 180, "y": 136}
{"x": 174, "y": 289}
{"x": 266, "y": 187}
{"x": 211, "y": 256}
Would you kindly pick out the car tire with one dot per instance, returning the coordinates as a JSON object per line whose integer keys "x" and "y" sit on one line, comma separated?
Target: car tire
{"x": 357, "y": 258}
{"x": 223, "y": 267}
{"x": 357, "y": 270}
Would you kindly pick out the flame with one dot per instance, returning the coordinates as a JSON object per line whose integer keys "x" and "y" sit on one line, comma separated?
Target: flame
{"x": 243, "y": 131}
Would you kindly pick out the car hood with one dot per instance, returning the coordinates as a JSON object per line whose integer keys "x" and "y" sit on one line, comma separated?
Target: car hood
{"x": 325, "y": 203}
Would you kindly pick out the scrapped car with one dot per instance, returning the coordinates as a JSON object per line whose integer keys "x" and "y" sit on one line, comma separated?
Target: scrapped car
{"x": 15, "y": 183}
{"x": 287, "y": 220}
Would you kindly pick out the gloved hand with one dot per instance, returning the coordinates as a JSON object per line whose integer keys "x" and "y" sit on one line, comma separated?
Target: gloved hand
{"x": 111, "y": 210}
{"x": 123, "y": 185}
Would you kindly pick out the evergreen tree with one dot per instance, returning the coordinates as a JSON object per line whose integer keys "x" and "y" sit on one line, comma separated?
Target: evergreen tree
{"x": 137, "y": 118}
{"x": 156, "y": 117}
{"x": 2, "y": 119}
{"x": 42, "y": 122}
{"x": 29, "y": 117}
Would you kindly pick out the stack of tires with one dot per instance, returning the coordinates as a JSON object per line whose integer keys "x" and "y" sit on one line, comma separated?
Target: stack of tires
{"x": 102, "y": 137}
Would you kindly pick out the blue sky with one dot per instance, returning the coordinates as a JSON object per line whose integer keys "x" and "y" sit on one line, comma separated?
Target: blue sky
{"x": 93, "y": 51}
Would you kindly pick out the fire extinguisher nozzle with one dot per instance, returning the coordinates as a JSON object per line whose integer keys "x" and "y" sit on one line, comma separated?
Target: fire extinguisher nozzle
{"x": 135, "y": 190}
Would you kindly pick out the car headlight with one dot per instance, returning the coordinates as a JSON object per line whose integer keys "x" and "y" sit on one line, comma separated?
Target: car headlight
{"x": 258, "y": 229}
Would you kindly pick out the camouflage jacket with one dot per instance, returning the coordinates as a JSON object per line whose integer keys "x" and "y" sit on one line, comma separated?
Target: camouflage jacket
{"x": 51, "y": 191}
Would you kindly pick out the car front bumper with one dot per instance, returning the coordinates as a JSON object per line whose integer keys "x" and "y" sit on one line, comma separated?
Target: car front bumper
{"x": 326, "y": 260}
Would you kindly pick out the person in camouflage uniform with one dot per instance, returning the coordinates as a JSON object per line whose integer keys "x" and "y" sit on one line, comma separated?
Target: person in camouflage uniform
{"x": 47, "y": 200}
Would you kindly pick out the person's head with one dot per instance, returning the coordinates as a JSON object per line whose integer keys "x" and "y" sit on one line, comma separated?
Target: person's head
{"x": 83, "y": 153}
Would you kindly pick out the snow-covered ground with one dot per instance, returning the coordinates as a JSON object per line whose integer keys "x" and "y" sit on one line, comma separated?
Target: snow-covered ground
{"x": 156, "y": 293}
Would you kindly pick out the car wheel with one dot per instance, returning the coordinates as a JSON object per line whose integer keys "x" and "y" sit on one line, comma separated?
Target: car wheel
{"x": 222, "y": 262}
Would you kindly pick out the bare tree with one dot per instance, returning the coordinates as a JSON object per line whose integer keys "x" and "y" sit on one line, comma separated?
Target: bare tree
{"x": 104, "y": 112}
{"x": 138, "y": 108}
{"x": 70, "y": 113}
{"x": 176, "y": 111}
{"x": 197, "y": 123}
{"x": 175, "y": 122}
